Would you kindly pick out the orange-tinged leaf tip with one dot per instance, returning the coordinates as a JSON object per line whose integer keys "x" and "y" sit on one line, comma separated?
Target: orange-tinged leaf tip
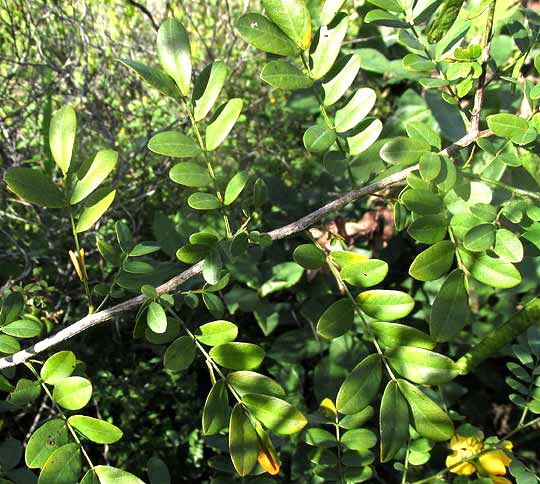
{"x": 269, "y": 464}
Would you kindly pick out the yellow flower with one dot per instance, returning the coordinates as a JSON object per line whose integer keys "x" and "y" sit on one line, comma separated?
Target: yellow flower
{"x": 500, "y": 480}
{"x": 495, "y": 462}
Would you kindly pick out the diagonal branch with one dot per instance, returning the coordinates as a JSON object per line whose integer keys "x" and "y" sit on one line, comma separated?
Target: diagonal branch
{"x": 276, "y": 234}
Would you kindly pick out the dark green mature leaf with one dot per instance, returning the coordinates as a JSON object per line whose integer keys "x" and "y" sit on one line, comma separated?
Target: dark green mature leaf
{"x": 444, "y": 324}
{"x": 430, "y": 164}
{"x": 156, "y": 318}
{"x": 243, "y": 441}
{"x": 192, "y": 253}
{"x": 355, "y": 110}
{"x": 394, "y": 421}
{"x": 381, "y": 17}
{"x": 57, "y": 367}
{"x": 104, "y": 162}
{"x": 62, "y": 130}
{"x": 207, "y": 88}
{"x": 174, "y": 53}
{"x": 429, "y": 228}
{"x": 422, "y": 201}
{"x": 203, "y": 201}
{"x": 34, "y": 187}
{"x": 238, "y": 356}
{"x": 94, "y": 207}
{"x": 218, "y": 130}
{"x": 155, "y": 77}
{"x": 328, "y": 44}
{"x": 284, "y": 275}
{"x": 263, "y": 34}
{"x": 190, "y": 174}
{"x": 216, "y": 333}
{"x": 276, "y": 414}
{"x": 215, "y": 410}
{"x": 337, "y": 319}
{"x": 429, "y": 419}
{"x": 63, "y": 466}
{"x": 235, "y": 186}
{"x": 175, "y": 144}
{"x": 366, "y": 273}
{"x": 361, "y": 386}
{"x": 395, "y": 334}
{"x": 341, "y": 76}
{"x": 479, "y": 238}
{"x": 251, "y": 382}
{"x": 319, "y": 138}
{"x": 433, "y": 262}
{"x": 158, "y": 471}
{"x": 52, "y": 435}
{"x": 180, "y": 354}
{"x": 96, "y": 430}
{"x": 292, "y": 17}
{"x": 72, "y": 393}
{"x": 112, "y": 475}
{"x": 359, "y": 439}
{"x": 508, "y": 246}
{"x": 385, "y": 305}
{"x": 403, "y": 151}
{"x": 11, "y": 307}
{"x": 422, "y": 366}
{"x": 309, "y": 256}
{"x": 283, "y": 75}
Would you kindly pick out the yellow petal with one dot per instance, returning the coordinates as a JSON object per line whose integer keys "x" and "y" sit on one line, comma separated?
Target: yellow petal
{"x": 495, "y": 462}
{"x": 500, "y": 480}
{"x": 267, "y": 463}
{"x": 458, "y": 442}
{"x": 328, "y": 408}
{"x": 75, "y": 262}
{"x": 465, "y": 468}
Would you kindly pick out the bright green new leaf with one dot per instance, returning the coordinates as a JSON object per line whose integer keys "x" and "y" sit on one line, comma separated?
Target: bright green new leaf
{"x": 180, "y": 354}
{"x": 23, "y": 328}
{"x": 381, "y": 17}
{"x": 235, "y": 186}
{"x": 422, "y": 366}
{"x": 34, "y": 187}
{"x": 62, "y": 130}
{"x": 63, "y": 466}
{"x": 429, "y": 228}
{"x": 361, "y": 386}
{"x": 318, "y": 139}
{"x": 190, "y": 174}
{"x": 217, "y": 333}
{"x": 203, "y": 201}
{"x": 52, "y": 435}
{"x": 58, "y": 367}
{"x": 433, "y": 262}
{"x": 265, "y": 35}
{"x": 359, "y": 439}
{"x": 337, "y": 319}
{"x": 480, "y": 238}
{"x": 94, "y": 207}
{"x": 492, "y": 272}
{"x": 327, "y": 45}
{"x": 104, "y": 162}
{"x": 283, "y": 75}
{"x": 251, "y": 382}
{"x": 174, "y": 53}
{"x": 417, "y": 63}
{"x": 403, "y": 151}
{"x": 155, "y": 77}
{"x": 73, "y": 392}
{"x": 385, "y": 305}
{"x": 507, "y": 125}
{"x": 366, "y": 137}
{"x": 112, "y": 475}
{"x": 355, "y": 110}
{"x": 96, "y": 430}
{"x": 419, "y": 130}
{"x": 344, "y": 257}
{"x": 394, "y": 421}
{"x": 395, "y": 334}
{"x": 238, "y": 356}
{"x": 341, "y": 76}
{"x": 217, "y": 131}
{"x": 243, "y": 441}
{"x": 215, "y": 409}
{"x": 445, "y": 324}
{"x": 429, "y": 419}
{"x": 309, "y": 256}
{"x": 421, "y": 201}
{"x": 508, "y": 246}
{"x": 277, "y": 415}
{"x": 207, "y": 88}
{"x": 292, "y": 17}
{"x": 8, "y": 344}
{"x": 175, "y": 144}
{"x": 156, "y": 318}
{"x": 366, "y": 273}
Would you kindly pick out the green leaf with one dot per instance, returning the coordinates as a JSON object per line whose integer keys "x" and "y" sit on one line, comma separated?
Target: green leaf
{"x": 175, "y": 144}
{"x": 430, "y": 165}
{"x": 217, "y": 131}
{"x": 422, "y": 366}
{"x": 112, "y": 475}
{"x": 309, "y": 256}
{"x": 493, "y": 272}
{"x": 104, "y": 162}
{"x": 72, "y": 393}
{"x": 243, "y": 441}
{"x": 190, "y": 174}
{"x": 366, "y": 273}
{"x": 419, "y": 130}
{"x": 124, "y": 237}
{"x": 207, "y": 88}
{"x": 385, "y": 305}
{"x": 355, "y": 110}
{"x": 23, "y": 328}
{"x": 366, "y": 137}
{"x": 283, "y": 75}
{"x": 96, "y": 430}
{"x": 403, "y": 151}
{"x": 394, "y": 421}
{"x": 34, "y": 187}
{"x": 203, "y": 201}
{"x": 381, "y": 17}
{"x": 192, "y": 253}
{"x": 359, "y": 439}
{"x": 11, "y": 307}
{"x": 337, "y": 319}
{"x": 217, "y": 333}
{"x": 277, "y": 415}
{"x": 320, "y": 438}
{"x": 422, "y": 202}
{"x": 344, "y": 257}
{"x": 90, "y": 478}
{"x": 433, "y": 262}
{"x": 180, "y": 354}
{"x": 417, "y": 63}
{"x": 262, "y": 34}
{"x": 157, "y": 471}
{"x": 508, "y": 246}
{"x": 211, "y": 268}
{"x": 318, "y": 139}
{"x": 361, "y": 386}
{"x": 155, "y": 77}
{"x": 507, "y": 125}
{"x": 138, "y": 267}
{"x": 292, "y": 17}
{"x": 284, "y": 275}
{"x": 156, "y": 318}
{"x": 8, "y": 344}
{"x": 479, "y": 238}
{"x": 395, "y": 334}
{"x": 52, "y": 435}
{"x": 58, "y": 367}
{"x": 330, "y": 10}
{"x": 238, "y": 356}
{"x": 444, "y": 324}
{"x": 62, "y": 130}
{"x": 327, "y": 45}
{"x": 174, "y": 53}
{"x": 341, "y": 76}
{"x": 144, "y": 248}
{"x": 429, "y": 419}
{"x": 94, "y": 207}
{"x": 63, "y": 466}
{"x": 215, "y": 409}
{"x": 390, "y": 5}
{"x": 429, "y": 228}
{"x": 250, "y": 382}
{"x": 235, "y": 186}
